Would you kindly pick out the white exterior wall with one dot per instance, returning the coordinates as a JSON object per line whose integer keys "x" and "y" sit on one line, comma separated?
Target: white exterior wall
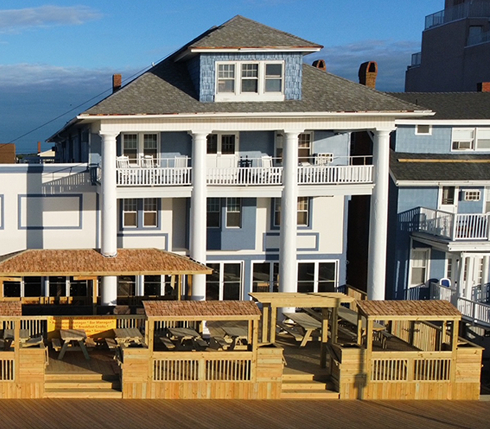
{"x": 50, "y": 208}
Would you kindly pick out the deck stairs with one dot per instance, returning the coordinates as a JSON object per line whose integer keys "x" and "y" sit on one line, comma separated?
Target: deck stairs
{"x": 82, "y": 385}
{"x": 304, "y": 385}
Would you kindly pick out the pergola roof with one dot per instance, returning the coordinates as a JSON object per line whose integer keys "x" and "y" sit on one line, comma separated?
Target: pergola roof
{"x": 201, "y": 310}
{"x": 409, "y": 310}
{"x": 10, "y": 309}
{"x": 90, "y": 262}
{"x": 308, "y": 300}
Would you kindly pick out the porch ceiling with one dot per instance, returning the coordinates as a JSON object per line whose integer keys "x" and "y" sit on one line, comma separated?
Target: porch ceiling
{"x": 90, "y": 263}
{"x": 409, "y": 310}
{"x": 308, "y": 300}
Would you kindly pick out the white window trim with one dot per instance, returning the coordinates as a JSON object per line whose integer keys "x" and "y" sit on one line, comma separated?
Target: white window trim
{"x": 469, "y": 192}
{"x": 219, "y": 151}
{"x": 221, "y": 281}
{"x": 417, "y": 133}
{"x": 474, "y": 141}
{"x": 240, "y": 211}
{"x": 427, "y": 250}
{"x": 140, "y": 143}
{"x": 261, "y": 95}
{"x": 271, "y": 274}
{"x": 442, "y": 206}
{"x": 316, "y": 262}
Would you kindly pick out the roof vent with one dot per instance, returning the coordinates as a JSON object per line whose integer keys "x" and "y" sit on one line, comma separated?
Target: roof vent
{"x": 116, "y": 82}
{"x": 368, "y": 72}
{"x": 483, "y": 87}
{"x": 320, "y": 64}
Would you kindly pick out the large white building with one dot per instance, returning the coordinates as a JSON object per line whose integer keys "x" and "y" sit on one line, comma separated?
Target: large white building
{"x": 231, "y": 151}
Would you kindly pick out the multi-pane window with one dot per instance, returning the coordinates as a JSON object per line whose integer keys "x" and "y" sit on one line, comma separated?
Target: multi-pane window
{"x": 243, "y": 80}
{"x": 448, "y": 193}
{"x": 265, "y": 277}
{"x": 250, "y": 77}
{"x": 419, "y": 266}
{"x": 463, "y": 138}
{"x": 226, "y": 78}
{"x": 273, "y": 78}
{"x": 130, "y": 146}
{"x": 224, "y": 283}
{"x": 140, "y": 213}
{"x": 234, "y": 212}
{"x": 150, "y": 209}
{"x": 224, "y": 144}
{"x": 304, "y": 147}
{"x": 472, "y": 195}
{"x": 213, "y": 215}
{"x": 303, "y": 210}
{"x": 483, "y": 139}
{"x": 150, "y": 145}
{"x": 130, "y": 212}
{"x": 317, "y": 276}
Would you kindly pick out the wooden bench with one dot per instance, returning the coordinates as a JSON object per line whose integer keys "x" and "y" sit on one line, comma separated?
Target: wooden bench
{"x": 293, "y": 330}
{"x": 56, "y": 344}
{"x": 167, "y": 342}
{"x": 219, "y": 343}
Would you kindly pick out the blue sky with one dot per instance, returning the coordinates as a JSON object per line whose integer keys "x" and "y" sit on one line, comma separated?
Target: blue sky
{"x": 57, "y": 56}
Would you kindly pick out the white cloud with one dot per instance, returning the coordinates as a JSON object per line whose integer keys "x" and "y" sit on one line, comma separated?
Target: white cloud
{"x": 15, "y": 20}
{"x": 392, "y": 58}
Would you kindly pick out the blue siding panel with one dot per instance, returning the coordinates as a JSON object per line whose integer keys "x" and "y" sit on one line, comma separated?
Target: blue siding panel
{"x": 438, "y": 142}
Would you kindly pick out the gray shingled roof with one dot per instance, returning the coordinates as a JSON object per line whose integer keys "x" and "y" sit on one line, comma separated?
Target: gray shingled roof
{"x": 167, "y": 89}
{"x": 451, "y": 105}
{"x": 240, "y": 32}
{"x": 435, "y": 167}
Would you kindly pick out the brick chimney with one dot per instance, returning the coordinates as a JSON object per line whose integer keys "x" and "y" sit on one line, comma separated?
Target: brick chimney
{"x": 368, "y": 72}
{"x": 483, "y": 87}
{"x": 38, "y": 147}
{"x": 320, "y": 64}
{"x": 116, "y": 82}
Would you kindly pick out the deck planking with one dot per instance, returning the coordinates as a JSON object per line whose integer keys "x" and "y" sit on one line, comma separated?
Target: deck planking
{"x": 284, "y": 414}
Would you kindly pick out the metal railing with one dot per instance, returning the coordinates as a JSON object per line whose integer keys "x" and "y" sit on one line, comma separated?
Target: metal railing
{"x": 475, "y": 9}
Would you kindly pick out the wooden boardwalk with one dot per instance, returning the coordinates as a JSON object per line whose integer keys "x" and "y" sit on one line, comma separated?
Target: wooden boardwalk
{"x": 158, "y": 414}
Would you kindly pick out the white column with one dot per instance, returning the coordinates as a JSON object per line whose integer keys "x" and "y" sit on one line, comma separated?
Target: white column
{"x": 139, "y": 286}
{"x": 288, "y": 270}
{"x": 485, "y": 272}
{"x": 198, "y": 212}
{"x": 460, "y": 277}
{"x": 108, "y": 294}
{"x": 378, "y": 224}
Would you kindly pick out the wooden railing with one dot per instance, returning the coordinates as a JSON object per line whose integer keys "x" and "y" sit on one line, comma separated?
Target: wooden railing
{"x": 423, "y": 335}
{"x": 7, "y": 366}
{"x": 205, "y": 366}
{"x": 410, "y": 366}
{"x": 131, "y": 321}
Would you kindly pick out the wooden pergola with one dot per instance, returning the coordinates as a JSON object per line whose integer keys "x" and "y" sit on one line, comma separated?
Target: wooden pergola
{"x": 90, "y": 264}
{"x": 271, "y": 301}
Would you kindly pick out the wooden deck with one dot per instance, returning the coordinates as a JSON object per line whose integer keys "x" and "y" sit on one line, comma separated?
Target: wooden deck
{"x": 189, "y": 414}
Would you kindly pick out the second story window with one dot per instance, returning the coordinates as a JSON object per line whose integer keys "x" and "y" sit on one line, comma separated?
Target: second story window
{"x": 213, "y": 212}
{"x": 250, "y": 81}
{"x": 303, "y": 209}
{"x": 140, "y": 213}
{"x": 233, "y": 213}
{"x": 137, "y": 146}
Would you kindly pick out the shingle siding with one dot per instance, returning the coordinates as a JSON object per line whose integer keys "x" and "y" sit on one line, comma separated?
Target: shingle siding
{"x": 293, "y": 72}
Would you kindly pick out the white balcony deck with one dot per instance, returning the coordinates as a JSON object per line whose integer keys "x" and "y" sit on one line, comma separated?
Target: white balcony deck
{"x": 455, "y": 227}
{"x": 163, "y": 173}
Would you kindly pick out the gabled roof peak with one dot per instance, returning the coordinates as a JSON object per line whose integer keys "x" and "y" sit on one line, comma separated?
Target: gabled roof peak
{"x": 240, "y": 33}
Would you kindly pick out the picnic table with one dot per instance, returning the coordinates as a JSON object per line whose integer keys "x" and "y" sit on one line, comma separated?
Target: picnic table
{"x": 126, "y": 337}
{"x": 304, "y": 321}
{"x": 238, "y": 336}
{"x": 24, "y": 338}
{"x": 70, "y": 337}
{"x": 186, "y": 338}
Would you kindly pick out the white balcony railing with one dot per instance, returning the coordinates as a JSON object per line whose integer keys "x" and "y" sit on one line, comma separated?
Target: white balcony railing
{"x": 454, "y": 226}
{"x": 177, "y": 172}
{"x": 477, "y": 312}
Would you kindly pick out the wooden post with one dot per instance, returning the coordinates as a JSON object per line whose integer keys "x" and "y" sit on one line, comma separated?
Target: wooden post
{"x": 179, "y": 287}
{"x": 255, "y": 345}
{"x": 359, "y": 329}
{"x": 1, "y": 290}
{"x": 273, "y": 324}
{"x": 265, "y": 321}
{"x": 150, "y": 333}
{"x": 323, "y": 348}
{"x": 17, "y": 349}
{"x": 369, "y": 350}
{"x": 454, "y": 352}
{"x": 335, "y": 325}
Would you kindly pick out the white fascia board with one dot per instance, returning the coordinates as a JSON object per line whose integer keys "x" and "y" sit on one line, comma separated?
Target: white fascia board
{"x": 264, "y": 49}
{"x": 301, "y": 115}
{"x": 444, "y": 122}
{"x": 426, "y": 183}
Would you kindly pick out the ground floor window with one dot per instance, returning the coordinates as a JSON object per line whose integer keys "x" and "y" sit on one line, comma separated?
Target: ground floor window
{"x": 317, "y": 277}
{"x": 126, "y": 286}
{"x": 225, "y": 282}
{"x": 265, "y": 277}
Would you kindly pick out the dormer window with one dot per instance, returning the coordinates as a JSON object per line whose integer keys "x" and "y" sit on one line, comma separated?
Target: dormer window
{"x": 250, "y": 81}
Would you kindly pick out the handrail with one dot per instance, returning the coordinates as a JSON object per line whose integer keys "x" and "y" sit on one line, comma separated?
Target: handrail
{"x": 477, "y": 312}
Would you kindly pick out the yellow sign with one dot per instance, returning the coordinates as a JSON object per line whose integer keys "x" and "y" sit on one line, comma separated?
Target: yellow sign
{"x": 93, "y": 325}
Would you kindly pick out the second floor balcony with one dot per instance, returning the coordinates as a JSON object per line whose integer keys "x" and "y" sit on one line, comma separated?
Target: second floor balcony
{"x": 264, "y": 171}
{"x": 454, "y": 226}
